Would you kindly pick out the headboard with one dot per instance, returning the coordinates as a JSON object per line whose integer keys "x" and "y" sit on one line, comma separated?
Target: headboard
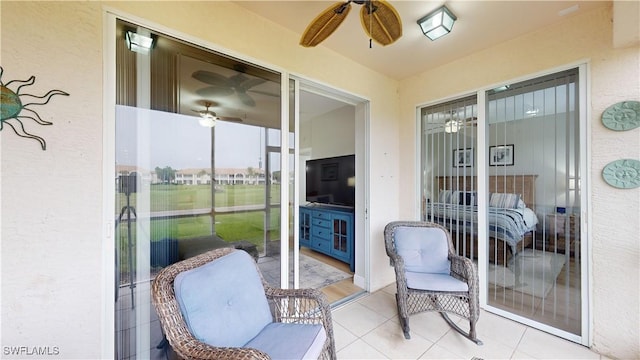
{"x": 525, "y": 185}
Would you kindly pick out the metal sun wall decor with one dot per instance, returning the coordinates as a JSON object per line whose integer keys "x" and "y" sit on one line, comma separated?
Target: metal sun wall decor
{"x": 623, "y": 173}
{"x": 13, "y": 109}
{"x": 622, "y": 116}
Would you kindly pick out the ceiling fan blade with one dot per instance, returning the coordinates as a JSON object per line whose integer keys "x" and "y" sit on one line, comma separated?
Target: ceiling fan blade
{"x": 325, "y": 24}
{"x": 229, "y": 118}
{"x": 246, "y": 99}
{"x": 383, "y": 24}
{"x": 211, "y": 78}
{"x": 266, "y": 93}
{"x": 214, "y": 91}
{"x": 249, "y": 83}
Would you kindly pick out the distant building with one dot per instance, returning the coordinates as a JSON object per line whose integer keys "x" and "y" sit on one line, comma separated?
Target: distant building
{"x": 201, "y": 176}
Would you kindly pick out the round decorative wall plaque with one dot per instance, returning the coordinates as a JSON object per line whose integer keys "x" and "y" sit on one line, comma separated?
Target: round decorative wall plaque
{"x": 623, "y": 174}
{"x": 622, "y": 116}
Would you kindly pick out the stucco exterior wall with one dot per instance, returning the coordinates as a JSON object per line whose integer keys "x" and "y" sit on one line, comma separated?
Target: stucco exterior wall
{"x": 614, "y": 75}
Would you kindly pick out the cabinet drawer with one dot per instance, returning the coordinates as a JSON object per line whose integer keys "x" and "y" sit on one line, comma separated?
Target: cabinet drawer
{"x": 321, "y": 244}
{"x": 323, "y": 233}
{"x": 322, "y": 215}
{"x": 321, "y": 222}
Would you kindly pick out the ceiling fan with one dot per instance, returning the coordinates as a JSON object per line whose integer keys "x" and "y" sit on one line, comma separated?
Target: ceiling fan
{"x": 453, "y": 125}
{"x": 208, "y": 118}
{"x": 379, "y": 19}
{"x": 224, "y": 86}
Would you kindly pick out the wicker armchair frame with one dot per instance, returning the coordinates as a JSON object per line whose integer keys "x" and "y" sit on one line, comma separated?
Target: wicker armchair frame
{"x": 413, "y": 301}
{"x": 303, "y": 306}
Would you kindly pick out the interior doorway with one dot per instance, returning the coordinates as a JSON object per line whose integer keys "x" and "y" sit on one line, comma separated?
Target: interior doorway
{"x": 331, "y": 126}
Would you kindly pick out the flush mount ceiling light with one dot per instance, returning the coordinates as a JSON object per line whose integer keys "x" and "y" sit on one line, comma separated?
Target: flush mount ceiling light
{"x": 437, "y": 23}
{"x": 138, "y": 43}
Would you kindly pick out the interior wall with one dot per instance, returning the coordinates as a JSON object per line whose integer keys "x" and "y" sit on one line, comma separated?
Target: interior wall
{"x": 614, "y": 75}
{"x": 53, "y": 235}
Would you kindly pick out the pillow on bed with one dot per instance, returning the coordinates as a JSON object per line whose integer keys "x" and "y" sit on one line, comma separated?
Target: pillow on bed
{"x": 468, "y": 198}
{"x": 449, "y": 196}
{"x": 506, "y": 201}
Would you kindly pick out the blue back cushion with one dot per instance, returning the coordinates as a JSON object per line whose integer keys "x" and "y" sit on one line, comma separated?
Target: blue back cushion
{"x": 223, "y": 302}
{"x": 423, "y": 249}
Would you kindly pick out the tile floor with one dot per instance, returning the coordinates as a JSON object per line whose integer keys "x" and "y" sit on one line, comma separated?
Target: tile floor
{"x": 368, "y": 328}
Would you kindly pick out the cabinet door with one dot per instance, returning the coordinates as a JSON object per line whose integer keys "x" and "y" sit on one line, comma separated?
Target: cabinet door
{"x": 342, "y": 238}
{"x": 305, "y": 227}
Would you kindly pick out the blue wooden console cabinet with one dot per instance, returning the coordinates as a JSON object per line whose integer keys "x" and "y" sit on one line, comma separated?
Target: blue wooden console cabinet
{"x": 329, "y": 230}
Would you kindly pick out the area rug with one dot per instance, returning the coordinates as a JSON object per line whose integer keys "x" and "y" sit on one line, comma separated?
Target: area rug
{"x": 313, "y": 273}
{"x": 532, "y": 272}
{"x": 316, "y": 274}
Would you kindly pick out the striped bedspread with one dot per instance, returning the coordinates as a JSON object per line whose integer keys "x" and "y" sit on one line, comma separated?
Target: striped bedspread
{"x": 509, "y": 225}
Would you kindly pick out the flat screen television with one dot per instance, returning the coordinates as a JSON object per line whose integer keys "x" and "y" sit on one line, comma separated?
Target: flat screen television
{"x": 332, "y": 180}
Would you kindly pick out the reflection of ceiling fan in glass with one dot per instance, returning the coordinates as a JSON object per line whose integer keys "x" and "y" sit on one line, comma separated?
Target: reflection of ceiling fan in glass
{"x": 220, "y": 85}
{"x": 208, "y": 118}
{"x": 455, "y": 122}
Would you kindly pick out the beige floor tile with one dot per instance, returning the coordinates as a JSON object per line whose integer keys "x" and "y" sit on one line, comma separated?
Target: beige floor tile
{"x": 390, "y": 289}
{"x": 461, "y": 346}
{"x": 429, "y": 325}
{"x": 360, "y": 350}
{"x": 491, "y": 326}
{"x": 391, "y": 342}
{"x": 541, "y": 345}
{"x": 342, "y": 336}
{"x": 381, "y": 302}
{"x": 438, "y": 352}
{"x": 358, "y": 318}
{"x": 519, "y": 355}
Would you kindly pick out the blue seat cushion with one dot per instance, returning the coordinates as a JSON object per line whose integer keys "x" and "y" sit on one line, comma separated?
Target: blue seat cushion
{"x": 223, "y": 302}
{"x": 423, "y": 249}
{"x": 290, "y": 341}
{"x": 434, "y": 282}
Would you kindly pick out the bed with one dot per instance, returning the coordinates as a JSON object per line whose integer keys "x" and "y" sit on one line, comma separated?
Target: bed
{"x": 512, "y": 218}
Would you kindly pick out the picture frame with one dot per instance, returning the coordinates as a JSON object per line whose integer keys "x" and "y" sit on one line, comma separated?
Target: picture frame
{"x": 463, "y": 157}
{"x": 501, "y": 155}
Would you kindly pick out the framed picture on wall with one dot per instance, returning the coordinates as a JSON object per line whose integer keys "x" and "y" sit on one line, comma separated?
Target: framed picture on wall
{"x": 502, "y": 155}
{"x": 463, "y": 157}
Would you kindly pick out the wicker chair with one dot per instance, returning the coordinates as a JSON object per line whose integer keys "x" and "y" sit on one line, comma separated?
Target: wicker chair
{"x": 290, "y": 306}
{"x": 430, "y": 276}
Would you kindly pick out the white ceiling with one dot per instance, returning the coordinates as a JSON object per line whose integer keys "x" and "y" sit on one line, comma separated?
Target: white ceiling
{"x": 480, "y": 24}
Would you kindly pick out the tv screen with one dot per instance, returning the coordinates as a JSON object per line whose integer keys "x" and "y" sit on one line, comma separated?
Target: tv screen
{"x": 332, "y": 180}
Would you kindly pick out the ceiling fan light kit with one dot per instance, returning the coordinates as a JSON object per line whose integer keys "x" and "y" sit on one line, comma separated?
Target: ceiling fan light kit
{"x": 207, "y": 121}
{"x": 379, "y": 20}
{"x": 437, "y": 23}
{"x": 209, "y": 118}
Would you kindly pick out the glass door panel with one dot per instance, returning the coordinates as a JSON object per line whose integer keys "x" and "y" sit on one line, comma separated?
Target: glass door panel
{"x": 534, "y": 174}
{"x": 534, "y": 252}
{"x": 449, "y": 170}
{"x": 191, "y": 142}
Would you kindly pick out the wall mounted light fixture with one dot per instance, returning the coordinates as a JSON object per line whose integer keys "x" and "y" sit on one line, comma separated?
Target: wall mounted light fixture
{"x": 437, "y": 23}
{"x": 138, "y": 43}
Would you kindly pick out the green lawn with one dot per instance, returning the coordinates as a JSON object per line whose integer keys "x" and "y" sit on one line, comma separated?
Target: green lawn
{"x": 232, "y": 226}
{"x": 182, "y": 197}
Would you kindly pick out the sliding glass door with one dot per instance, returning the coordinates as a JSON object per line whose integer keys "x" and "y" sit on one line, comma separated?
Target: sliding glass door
{"x": 198, "y": 166}
{"x": 519, "y": 208}
{"x": 535, "y": 147}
